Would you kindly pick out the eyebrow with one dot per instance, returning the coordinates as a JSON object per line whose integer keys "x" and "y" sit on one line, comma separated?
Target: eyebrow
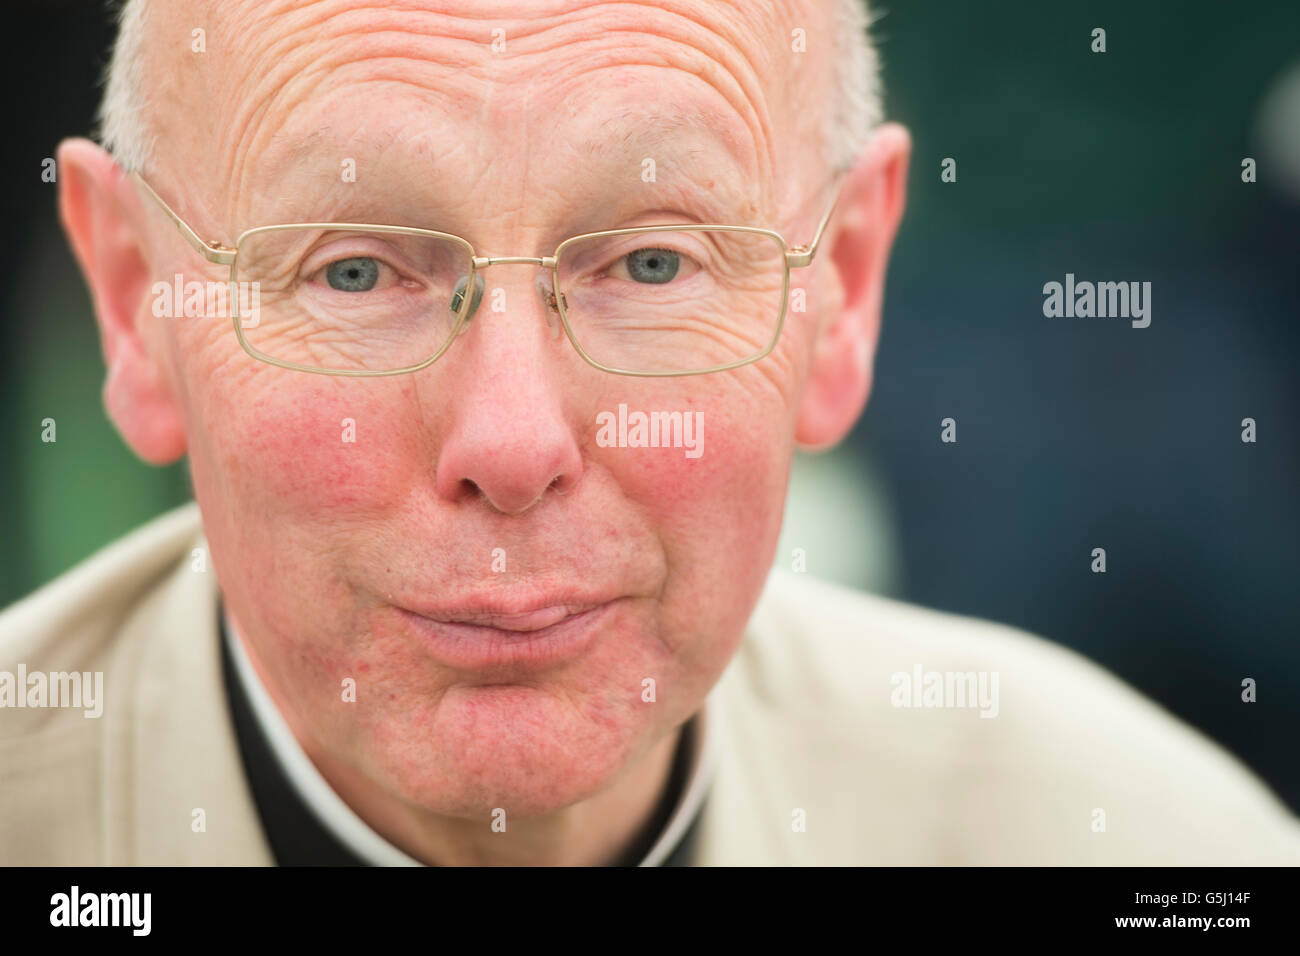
{"x": 645, "y": 133}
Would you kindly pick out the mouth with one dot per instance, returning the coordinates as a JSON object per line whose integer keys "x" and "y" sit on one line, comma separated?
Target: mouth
{"x": 536, "y": 619}
{"x": 485, "y": 637}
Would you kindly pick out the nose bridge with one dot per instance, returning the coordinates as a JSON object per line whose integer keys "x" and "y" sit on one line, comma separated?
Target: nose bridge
{"x": 481, "y": 263}
{"x": 546, "y": 262}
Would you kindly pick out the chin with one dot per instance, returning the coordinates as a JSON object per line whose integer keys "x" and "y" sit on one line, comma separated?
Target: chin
{"x": 527, "y": 750}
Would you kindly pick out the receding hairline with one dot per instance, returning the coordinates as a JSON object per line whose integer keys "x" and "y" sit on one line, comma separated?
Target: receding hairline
{"x": 854, "y": 108}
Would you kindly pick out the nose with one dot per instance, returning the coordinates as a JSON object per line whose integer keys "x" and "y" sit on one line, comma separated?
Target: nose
{"x": 509, "y": 440}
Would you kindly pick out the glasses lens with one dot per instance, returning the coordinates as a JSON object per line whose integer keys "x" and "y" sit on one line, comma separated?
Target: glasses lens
{"x": 350, "y": 299}
{"x": 684, "y": 300}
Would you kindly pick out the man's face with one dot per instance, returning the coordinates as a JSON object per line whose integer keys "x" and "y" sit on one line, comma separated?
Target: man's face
{"x": 499, "y": 586}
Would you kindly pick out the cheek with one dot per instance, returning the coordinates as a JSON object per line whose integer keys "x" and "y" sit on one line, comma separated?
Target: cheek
{"x": 717, "y": 516}
{"x": 287, "y": 474}
{"x": 732, "y": 482}
{"x": 320, "y": 448}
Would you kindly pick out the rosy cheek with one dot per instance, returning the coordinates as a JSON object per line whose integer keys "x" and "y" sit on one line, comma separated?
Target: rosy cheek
{"x": 716, "y": 518}
{"x": 724, "y": 493}
{"x": 331, "y": 451}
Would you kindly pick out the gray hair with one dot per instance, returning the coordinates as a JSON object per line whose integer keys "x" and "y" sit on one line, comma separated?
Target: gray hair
{"x": 855, "y": 107}
{"x": 123, "y": 128}
{"x": 853, "y": 112}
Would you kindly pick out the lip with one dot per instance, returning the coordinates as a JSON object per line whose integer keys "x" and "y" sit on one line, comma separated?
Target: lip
{"x": 480, "y": 637}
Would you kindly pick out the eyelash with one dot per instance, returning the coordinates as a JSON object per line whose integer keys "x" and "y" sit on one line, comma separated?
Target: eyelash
{"x": 316, "y": 275}
{"x": 620, "y": 256}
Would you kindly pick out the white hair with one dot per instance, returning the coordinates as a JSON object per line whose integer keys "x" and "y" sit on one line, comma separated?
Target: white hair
{"x": 855, "y": 108}
{"x": 853, "y": 111}
{"x": 123, "y": 127}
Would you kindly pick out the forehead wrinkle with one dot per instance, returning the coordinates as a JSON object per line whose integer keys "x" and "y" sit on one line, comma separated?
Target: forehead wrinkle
{"x": 267, "y": 106}
{"x": 718, "y": 43}
{"x": 281, "y": 139}
{"x": 742, "y": 137}
{"x": 748, "y": 49}
{"x": 721, "y": 52}
{"x": 376, "y": 38}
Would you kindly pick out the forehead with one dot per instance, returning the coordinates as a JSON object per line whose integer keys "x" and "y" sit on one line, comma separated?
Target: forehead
{"x": 465, "y": 92}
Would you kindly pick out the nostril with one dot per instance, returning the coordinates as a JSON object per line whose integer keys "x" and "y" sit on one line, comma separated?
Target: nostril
{"x": 469, "y": 489}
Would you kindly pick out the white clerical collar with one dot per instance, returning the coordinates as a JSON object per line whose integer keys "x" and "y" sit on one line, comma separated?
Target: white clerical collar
{"x": 357, "y": 835}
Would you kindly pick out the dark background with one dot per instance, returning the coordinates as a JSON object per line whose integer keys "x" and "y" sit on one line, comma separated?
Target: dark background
{"x": 1072, "y": 433}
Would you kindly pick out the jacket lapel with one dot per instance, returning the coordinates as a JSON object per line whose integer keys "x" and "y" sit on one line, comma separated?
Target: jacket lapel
{"x": 175, "y": 791}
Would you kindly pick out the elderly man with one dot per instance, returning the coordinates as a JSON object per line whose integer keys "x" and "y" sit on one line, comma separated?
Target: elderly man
{"x": 529, "y": 306}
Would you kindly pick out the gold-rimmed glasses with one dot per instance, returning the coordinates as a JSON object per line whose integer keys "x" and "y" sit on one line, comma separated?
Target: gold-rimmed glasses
{"x": 363, "y": 299}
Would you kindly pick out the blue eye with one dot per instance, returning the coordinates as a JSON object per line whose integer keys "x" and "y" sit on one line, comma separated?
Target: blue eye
{"x": 653, "y": 265}
{"x": 353, "y": 275}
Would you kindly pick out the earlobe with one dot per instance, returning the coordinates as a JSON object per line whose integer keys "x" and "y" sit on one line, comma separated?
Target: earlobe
{"x": 858, "y": 242}
{"x": 140, "y": 403}
{"x": 838, "y": 384}
{"x": 109, "y": 246}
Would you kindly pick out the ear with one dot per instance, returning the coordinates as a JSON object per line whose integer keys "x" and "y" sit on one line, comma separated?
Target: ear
{"x": 101, "y": 215}
{"x": 859, "y": 235}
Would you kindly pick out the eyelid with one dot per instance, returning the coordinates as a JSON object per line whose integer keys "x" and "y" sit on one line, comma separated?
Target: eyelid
{"x": 329, "y": 252}
{"x": 621, "y": 246}
{"x": 691, "y": 266}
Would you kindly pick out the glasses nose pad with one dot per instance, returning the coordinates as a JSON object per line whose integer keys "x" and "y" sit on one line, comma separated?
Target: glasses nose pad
{"x": 458, "y": 298}
{"x": 552, "y": 311}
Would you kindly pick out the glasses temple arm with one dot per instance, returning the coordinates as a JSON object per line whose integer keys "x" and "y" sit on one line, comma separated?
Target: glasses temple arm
{"x": 802, "y": 255}
{"x": 213, "y": 252}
